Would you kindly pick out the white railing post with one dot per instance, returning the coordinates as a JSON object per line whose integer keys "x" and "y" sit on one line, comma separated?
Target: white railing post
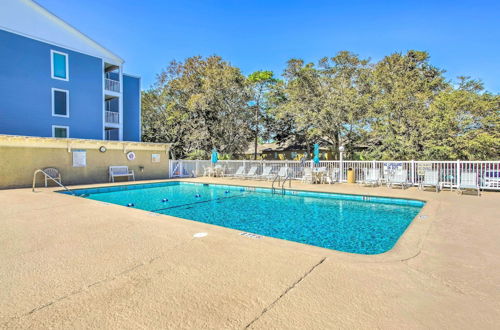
{"x": 341, "y": 166}
{"x": 412, "y": 171}
{"x": 458, "y": 172}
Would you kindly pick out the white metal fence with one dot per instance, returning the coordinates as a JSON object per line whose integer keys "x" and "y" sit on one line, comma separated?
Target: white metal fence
{"x": 487, "y": 172}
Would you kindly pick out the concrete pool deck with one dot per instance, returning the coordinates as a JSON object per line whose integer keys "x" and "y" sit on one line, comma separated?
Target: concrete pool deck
{"x": 76, "y": 263}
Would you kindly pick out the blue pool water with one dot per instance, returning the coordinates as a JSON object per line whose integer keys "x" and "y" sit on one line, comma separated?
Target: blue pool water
{"x": 350, "y": 223}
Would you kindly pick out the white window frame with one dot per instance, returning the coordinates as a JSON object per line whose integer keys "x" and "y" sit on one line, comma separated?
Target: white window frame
{"x": 52, "y": 52}
{"x": 53, "y": 103}
{"x": 59, "y": 126}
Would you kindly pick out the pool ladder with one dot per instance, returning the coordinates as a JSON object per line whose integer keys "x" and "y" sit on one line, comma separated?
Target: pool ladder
{"x": 277, "y": 177}
{"x": 48, "y": 177}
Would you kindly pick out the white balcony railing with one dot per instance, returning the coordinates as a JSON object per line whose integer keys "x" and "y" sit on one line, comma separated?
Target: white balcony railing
{"x": 112, "y": 117}
{"x": 112, "y": 85}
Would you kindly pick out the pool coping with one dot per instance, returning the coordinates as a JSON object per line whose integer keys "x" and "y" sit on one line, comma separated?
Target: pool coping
{"x": 406, "y": 247}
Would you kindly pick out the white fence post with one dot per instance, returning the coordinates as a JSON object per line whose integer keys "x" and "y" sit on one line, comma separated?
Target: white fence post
{"x": 412, "y": 171}
{"x": 458, "y": 172}
{"x": 341, "y": 166}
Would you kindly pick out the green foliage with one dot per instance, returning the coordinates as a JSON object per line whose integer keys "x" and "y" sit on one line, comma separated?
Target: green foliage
{"x": 260, "y": 84}
{"x": 403, "y": 88}
{"x": 465, "y": 124}
{"x": 199, "y": 104}
{"x": 398, "y": 108}
{"x": 197, "y": 154}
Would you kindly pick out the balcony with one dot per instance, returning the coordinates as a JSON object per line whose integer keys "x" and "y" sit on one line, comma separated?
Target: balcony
{"x": 112, "y": 85}
{"x": 112, "y": 117}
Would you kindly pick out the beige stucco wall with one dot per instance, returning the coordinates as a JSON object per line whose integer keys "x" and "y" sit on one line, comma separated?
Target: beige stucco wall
{"x": 21, "y": 156}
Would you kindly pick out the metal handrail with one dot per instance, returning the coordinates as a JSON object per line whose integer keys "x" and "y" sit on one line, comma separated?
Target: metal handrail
{"x": 289, "y": 178}
{"x": 48, "y": 176}
{"x": 274, "y": 180}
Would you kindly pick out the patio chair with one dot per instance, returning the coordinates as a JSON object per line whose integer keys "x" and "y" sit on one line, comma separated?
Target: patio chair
{"x": 333, "y": 176}
{"x": 219, "y": 171}
{"x": 252, "y": 173}
{"x": 266, "y": 173}
{"x": 491, "y": 179}
{"x": 468, "y": 181}
{"x": 431, "y": 179}
{"x": 372, "y": 177}
{"x": 208, "y": 171}
{"x": 53, "y": 173}
{"x": 308, "y": 175}
{"x": 240, "y": 172}
{"x": 283, "y": 172}
{"x": 398, "y": 178}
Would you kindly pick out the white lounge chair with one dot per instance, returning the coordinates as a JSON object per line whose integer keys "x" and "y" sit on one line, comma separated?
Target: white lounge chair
{"x": 398, "y": 178}
{"x": 431, "y": 179}
{"x": 252, "y": 173}
{"x": 240, "y": 172}
{"x": 53, "y": 173}
{"x": 468, "y": 181}
{"x": 282, "y": 173}
{"x": 491, "y": 179}
{"x": 372, "y": 177}
{"x": 266, "y": 173}
{"x": 308, "y": 175}
{"x": 120, "y": 171}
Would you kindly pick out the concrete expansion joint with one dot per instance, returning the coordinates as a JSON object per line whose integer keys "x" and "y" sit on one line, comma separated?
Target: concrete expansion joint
{"x": 288, "y": 289}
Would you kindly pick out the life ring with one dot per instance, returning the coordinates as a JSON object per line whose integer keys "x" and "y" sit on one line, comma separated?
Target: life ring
{"x": 131, "y": 155}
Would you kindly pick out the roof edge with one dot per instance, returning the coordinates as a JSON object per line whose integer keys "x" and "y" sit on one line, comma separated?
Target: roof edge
{"x": 74, "y": 29}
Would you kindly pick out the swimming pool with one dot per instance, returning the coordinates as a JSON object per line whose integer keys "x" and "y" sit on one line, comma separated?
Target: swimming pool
{"x": 349, "y": 223}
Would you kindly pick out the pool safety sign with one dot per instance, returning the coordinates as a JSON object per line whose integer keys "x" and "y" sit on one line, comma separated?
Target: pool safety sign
{"x": 79, "y": 158}
{"x": 392, "y": 167}
{"x": 422, "y": 168}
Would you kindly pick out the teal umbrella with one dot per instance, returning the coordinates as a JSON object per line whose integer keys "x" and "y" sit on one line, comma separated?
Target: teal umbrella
{"x": 215, "y": 156}
{"x": 316, "y": 154}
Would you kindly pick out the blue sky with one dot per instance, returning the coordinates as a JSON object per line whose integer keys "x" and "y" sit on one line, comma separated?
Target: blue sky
{"x": 462, "y": 37}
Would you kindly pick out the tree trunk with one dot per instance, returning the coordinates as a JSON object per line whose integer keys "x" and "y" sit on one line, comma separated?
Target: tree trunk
{"x": 256, "y": 132}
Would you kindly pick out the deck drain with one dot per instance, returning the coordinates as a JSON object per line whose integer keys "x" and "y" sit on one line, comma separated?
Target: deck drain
{"x": 198, "y": 235}
{"x": 423, "y": 216}
{"x": 250, "y": 235}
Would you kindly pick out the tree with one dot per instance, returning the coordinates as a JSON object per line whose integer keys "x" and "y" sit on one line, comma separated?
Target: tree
{"x": 465, "y": 124}
{"x": 208, "y": 101}
{"x": 260, "y": 83}
{"x": 328, "y": 102}
{"x": 404, "y": 86}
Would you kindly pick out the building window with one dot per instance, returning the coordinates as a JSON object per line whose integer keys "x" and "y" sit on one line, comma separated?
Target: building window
{"x": 60, "y": 131}
{"x": 60, "y": 103}
{"x": 59, "y": 65}
{"x": 111, "y": 133}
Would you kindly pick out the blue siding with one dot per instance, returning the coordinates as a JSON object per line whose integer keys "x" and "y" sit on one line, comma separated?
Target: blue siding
{"x": 131, "y": 108}
{"x": 25, "y": 90}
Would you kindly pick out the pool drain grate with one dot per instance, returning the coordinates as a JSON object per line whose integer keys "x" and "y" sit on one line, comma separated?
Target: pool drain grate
{"x": 250, "y": 235}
